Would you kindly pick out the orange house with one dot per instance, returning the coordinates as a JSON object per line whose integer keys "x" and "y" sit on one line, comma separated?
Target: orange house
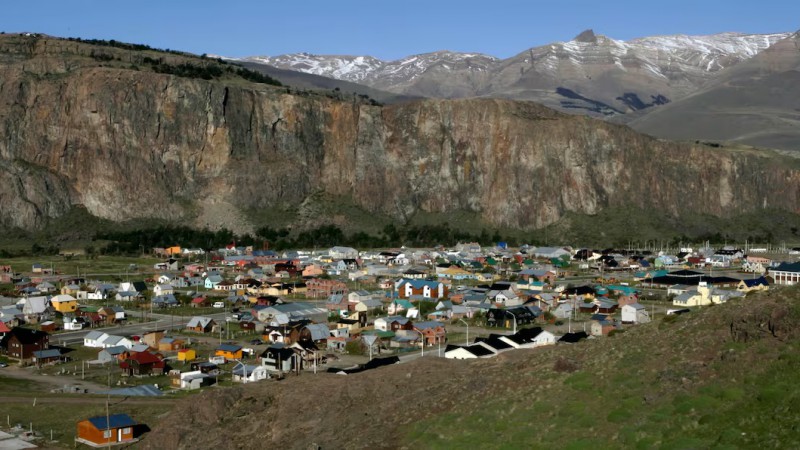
{"x": 229, "y": 351}
{"x": 113, "y": 429}
{"x": 175, "y": 250}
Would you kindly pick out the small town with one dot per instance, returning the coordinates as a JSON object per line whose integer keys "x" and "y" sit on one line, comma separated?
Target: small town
{"x": 126, "y": 333}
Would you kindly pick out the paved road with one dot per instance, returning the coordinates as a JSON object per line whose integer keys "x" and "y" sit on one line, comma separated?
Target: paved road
{"x": 161, "y": 322}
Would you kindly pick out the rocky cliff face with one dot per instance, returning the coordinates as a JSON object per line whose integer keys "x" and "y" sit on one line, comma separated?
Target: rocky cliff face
{"x": 131, "y": 143}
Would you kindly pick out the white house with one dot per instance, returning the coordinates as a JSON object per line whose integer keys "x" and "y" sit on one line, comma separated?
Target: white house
{"x": 635, "y": 313}
{"x": 244, "y": 373}
{"x": 163, "y": 289}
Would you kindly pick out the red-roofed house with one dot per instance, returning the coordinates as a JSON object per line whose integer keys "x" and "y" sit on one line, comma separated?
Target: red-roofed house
{"x": 143, "y": 363}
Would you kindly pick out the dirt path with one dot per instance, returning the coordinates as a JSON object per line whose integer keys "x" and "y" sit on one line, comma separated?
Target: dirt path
{"x": 55, "y": 381}
{"x": 90, "y": 400}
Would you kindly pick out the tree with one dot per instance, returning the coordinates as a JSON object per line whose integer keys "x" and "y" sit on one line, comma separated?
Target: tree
{"x": 354, "y": 348}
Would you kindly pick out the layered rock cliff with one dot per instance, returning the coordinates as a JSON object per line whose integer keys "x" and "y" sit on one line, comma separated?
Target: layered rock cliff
{"x": 128, "y": 143}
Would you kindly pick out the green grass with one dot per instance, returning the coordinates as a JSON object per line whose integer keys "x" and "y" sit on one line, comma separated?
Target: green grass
{"x": 118, "y": 266}
{"x": 45, "y": 417}
{"x": 640, "y": 390}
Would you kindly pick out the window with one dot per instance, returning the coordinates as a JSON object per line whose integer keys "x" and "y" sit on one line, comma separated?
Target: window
{"x": 106, "y": 434}
{"x": 128, "y": 430}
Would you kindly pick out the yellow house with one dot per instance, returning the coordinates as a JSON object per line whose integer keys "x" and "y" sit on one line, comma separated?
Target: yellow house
{"x": 64, "y": 303}
{"x": 187, "y": 354}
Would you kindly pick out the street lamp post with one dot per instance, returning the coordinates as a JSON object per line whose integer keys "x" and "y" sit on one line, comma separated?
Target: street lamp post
{"x": 422, "y": 338}
{"x": 466, "y": 341}
{"x": 515, "y": 320}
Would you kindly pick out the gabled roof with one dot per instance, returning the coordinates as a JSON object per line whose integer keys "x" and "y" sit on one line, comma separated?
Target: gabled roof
{"x": 495, "y": 342}
{"x": 573, "y": 337}
{"x": 25, "y": 336}
{"x": 198, "y": 321}
{"x": 49, "y": 353}
{"x": 318, "y": 331}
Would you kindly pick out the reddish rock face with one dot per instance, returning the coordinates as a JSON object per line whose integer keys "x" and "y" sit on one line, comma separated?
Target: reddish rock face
{"x": 129, "y": 143}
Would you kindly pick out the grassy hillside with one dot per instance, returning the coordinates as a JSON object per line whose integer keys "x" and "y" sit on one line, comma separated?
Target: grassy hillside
{"x": 722, "y": 377}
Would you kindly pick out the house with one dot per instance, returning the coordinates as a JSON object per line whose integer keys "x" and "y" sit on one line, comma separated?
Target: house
{"x": 49, "y": 356}
{"x": 393, "y": 323}
{"x": 187, "y": 354}
{"x": 426, "y": 289}
{"x": 314, "y": 332}
{"x": 170, "y": 344}
{"x": 45, "y": 287}
{"x": 229, "y": 351}
{"x": 107, "y": 430}
{"x": 506, "y": 317}
{"x": 212, "y": 281}
{"x": 199, "y": 324}
{"x": 112, "y": 354}
{"x": 753, "y": 284}
{"x": 343, "y": 253}
{"x": 494, "y": 343}
{"x": 94, "y": 339}
{"x": 433, "y": 331}
{"x": 529, "y": 338}
{"x": 467, "y": 352}
{"x": 368, "y": 304}
{"x": 309, "y": 352}
{"x": 318, "y": 288}
{"x": 603, "y": 327}
{"x": 151, "y": 338}
{"x": 20, "y": 343}
{"x": 285, "y": 334}
{"x": 142, "y": 363}
{"x": 704, "y": 295}
{"x": 163, "y": 289}
{"x": 398, "y": 306}
{"x": 192, "y": 380}
{"x": 36, "y": 309}
{"x": 280, "y": 358}
{"x": 165, "y": 301}
{"x": 635, "y": 313}
{"x": 245, "y": 373}
{"x": 337, "y": 302}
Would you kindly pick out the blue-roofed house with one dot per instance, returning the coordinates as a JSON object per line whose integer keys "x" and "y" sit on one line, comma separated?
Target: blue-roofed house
{"x": 106, "y": 430}
{"x": 786, "y": 273}
{"x": 753, "y": 284}
{"x": 229, "y": 351}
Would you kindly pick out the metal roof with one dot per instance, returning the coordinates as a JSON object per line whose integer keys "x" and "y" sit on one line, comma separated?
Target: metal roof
{"x": 112, "y": 421}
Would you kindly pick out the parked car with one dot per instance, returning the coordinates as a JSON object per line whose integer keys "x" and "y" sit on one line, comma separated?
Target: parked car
{"x": 256, "y": 342}
{"x": 2, "y": 364}
{"x": 219, "y": 304}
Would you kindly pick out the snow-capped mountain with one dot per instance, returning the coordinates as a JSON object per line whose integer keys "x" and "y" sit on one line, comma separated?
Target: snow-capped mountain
{"x": 591, "y": 72}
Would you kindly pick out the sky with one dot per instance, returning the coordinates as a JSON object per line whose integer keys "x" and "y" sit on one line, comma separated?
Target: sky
{"x": 385, "y": 29}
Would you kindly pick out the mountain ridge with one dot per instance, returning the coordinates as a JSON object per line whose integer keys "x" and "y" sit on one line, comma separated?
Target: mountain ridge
{"x": 599, "y": 68}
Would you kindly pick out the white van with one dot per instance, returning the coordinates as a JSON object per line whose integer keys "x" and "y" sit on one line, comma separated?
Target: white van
{"x": 219, "y": 304}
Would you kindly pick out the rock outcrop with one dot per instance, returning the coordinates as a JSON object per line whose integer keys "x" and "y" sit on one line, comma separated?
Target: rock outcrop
{"x": 128, "y": 143}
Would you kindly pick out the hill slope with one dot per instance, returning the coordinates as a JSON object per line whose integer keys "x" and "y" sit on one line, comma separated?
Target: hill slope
{"x": 104, "y": 128}
{"x": 721, "y": 377}
{"x": 754, "y": 102}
